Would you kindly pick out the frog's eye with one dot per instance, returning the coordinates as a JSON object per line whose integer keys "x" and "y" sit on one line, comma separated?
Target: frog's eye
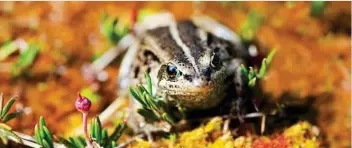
{"x": 215, "y": 61}
{"x": 172, "y": 71}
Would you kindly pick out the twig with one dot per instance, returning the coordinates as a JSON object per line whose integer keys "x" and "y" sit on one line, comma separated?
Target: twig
{"x": 262, "y": 127}
{"x": 131, "y": 140}
{"x": 99, "y": 64}
{"x": 30, "y": 141}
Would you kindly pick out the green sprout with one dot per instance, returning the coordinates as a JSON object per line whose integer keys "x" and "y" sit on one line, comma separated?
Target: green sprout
{"x": 153, "y": 108}
{"x": 317, "y": 8}
{"x": 26, "y": 58}
{"x": 5, "y": 130}
{"x": 143, "y": 13}
{"x": 248, "y": 29}
{"x": 100, "y": 135}
{"x": 4, "y": 110}
{"x": 42, "y": 134}
{"x": 112, "y": 29}
{"x": 7, "y": 49}
{"x": 251, "y": 75}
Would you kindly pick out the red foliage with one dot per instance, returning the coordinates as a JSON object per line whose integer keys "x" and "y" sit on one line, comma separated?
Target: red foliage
{"x": 276, "y": 142}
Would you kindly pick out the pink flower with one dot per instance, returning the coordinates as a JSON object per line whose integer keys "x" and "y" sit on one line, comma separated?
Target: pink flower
{"x": 82, "y": 103}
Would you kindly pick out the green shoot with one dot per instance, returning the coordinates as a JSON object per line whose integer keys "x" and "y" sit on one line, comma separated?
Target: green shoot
{"x": 4, "y": 116}
{"x": 7, "y": 49}
{"x": 26, "y": 58}
{"x": 153, "y": 108}
{"x": 317, "y": 8}
{"x": 248, "y": 29}
{"x": 100, "y": 135}
{"x": 42, "y": 134}
{"x": 5, "y": 130}
{"x": 112, "y": 29}
{"x": 251, "y": 76}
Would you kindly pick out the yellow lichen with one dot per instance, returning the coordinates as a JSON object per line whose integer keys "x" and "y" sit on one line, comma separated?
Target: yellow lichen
{"x": 303, "y": 134}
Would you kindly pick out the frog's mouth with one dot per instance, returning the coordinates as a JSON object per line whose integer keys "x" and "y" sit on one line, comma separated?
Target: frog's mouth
{"x": 191, "y": 91}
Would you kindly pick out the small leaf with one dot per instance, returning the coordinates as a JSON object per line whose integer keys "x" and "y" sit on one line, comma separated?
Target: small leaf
{"x": 81, "y": 140}
{"x": 10, "y": 116}
{"x": 151, "y": 102}
{"x": 148, "y": 114}
{"x": 104, "y": 135}
{"x": 252, "y": 82}
{"x": 26, "y": 58}
{"x": 251, "y": 73}
{"x": 143, "y": 13}
{"x": 244, "y": 70}
{"x": 262, "y": 69}
{"x": 1, "y": 102}
{"x": 48, "y": 136}
{"x": 89, "y": 93}
{"x": 5, "y": 126}
{"x": 92, "y": 128}
{"x": 113, "y": 144}
{"x": 97, "y": 129}
{"x": 45, "y": 144}
{"x": 8, "y": 106}
{"x": 168, "y": 118}
{"x": 317, "y": 8}
{"x": 118, "y": 132}
{"x": 248, "y": 30}
{"x": 9, "y": 133}
{"x": 37, "y": 135}
{"x": 76, "y": 142}
{"x": 270, "y": 56}
{"x": 173, "y": 137}
{"x": 149, "y": 83}
{"x": 41, "y": 121}
{"x": 4, "y": 139}
{"x": 137, "y": 97}
{"x": 182, "y": 110}
{"x": 7, "y": 49}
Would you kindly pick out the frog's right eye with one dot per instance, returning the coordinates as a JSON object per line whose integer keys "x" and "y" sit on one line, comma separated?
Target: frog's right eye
{"x": 172, "y": 71}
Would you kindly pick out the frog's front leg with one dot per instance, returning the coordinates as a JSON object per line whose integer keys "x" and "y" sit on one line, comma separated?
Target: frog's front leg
{"x": 235, "y": 68}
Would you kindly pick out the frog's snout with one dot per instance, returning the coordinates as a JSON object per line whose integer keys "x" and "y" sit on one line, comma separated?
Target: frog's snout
{"x": 201, "y": 82}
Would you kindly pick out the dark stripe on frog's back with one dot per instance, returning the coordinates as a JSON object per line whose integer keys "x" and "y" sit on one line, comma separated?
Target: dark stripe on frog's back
{"x": 163, "y": 38}
{"x": 189, "y": 34}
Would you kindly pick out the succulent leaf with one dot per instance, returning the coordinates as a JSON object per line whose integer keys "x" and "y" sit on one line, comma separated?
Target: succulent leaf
{"x": 8, "y": 106}
{"x": 10, "y": 116}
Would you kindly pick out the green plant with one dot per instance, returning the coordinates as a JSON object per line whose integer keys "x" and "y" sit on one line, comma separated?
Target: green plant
{"x": 26, "y": 58}
{"x": 251, "y": 76}
{"x": 42, "y": 134}
{"x": 317, "y": 8}
{"x": 112, "y": 29}
{"x": 153, "y": 108}
{"x": 100, "y": 135}
{"x": 5, "y": 130}
{"x": 7, "y": 49}
{"x": 248, "y": 29}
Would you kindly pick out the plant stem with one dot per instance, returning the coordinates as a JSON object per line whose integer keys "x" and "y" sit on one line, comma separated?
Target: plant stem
{"x": 85, "y": 129}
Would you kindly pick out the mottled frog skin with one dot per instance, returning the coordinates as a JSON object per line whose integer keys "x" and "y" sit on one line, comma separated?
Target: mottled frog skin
{"x": 189, "y": 65}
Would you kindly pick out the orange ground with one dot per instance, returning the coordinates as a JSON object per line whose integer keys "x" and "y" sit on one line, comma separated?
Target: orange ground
{"x": 313, "y": 58}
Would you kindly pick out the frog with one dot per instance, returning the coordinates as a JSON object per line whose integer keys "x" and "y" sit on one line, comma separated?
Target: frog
{"x": 193, "y": 63}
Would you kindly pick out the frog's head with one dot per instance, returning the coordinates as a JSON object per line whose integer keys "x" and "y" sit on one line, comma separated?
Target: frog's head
{"x": 195, "y": 72}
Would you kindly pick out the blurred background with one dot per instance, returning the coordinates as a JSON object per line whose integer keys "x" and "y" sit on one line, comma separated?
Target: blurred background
{"x": 312, "y": 65}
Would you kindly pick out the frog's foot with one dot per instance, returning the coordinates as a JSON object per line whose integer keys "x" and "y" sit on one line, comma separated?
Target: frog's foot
{"x": 139, "y": 125}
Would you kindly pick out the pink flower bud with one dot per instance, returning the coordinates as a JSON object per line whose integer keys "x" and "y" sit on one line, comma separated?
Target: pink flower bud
{"x": 82, "y": 103}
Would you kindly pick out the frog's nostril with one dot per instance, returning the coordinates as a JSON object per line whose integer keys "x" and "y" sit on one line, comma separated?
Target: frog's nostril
{"x": 206, "y": 72}
{"x": 188, "y": 77}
